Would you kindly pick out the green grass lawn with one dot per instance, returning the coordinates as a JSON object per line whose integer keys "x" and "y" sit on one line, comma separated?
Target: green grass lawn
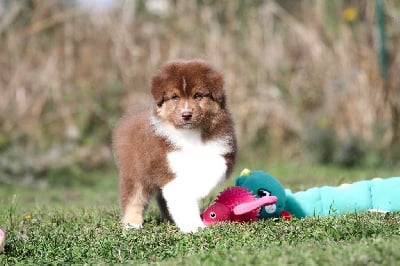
{"x": 64, "y": 224}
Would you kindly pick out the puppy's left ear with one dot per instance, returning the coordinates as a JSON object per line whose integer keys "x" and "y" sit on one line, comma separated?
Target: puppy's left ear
{"x": 157, "y": 89}
{"x": 216, "y": 86}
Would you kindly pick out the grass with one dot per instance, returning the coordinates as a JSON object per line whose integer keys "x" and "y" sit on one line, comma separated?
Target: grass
{"x": 82, "y": 226}
{"x": 95, "y": 236}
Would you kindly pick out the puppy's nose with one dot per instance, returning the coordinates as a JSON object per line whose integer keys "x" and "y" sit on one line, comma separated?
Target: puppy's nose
{"x": 187, "y": 115}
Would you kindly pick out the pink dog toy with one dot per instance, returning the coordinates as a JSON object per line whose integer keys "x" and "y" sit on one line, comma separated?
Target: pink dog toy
{"x": 236, "y": 204}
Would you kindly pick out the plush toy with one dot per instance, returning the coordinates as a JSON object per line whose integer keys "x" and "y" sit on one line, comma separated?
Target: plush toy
{"x": 263, "y": 184}
{"x": 236, "y": 204}
{"x": 375, "y": 194}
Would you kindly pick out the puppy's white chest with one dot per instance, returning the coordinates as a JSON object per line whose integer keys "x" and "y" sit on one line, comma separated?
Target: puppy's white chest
{"x": 197, "y": 168}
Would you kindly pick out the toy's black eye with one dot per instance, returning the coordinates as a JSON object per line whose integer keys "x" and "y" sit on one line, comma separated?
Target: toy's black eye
{"x": 263, "y": 192}
{"x": 213, "y": 215}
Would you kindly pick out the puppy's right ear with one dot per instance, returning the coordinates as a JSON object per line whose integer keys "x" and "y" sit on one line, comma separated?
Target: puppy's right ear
{"x": 157, "y": 89}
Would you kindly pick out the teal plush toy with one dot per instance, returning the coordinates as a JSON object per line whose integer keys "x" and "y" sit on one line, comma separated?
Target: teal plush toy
{"x": 376, "y": 194}
{"x": 263, "y": 184}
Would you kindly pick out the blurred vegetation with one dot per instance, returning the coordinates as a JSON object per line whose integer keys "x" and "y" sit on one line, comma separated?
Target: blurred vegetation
{"x": 302, "y": 77}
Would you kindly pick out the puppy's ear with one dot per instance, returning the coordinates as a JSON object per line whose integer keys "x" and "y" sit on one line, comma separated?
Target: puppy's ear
{"x": 216, "y": 85}
{"x": 157, "y": 88}
{"x": 161, "y": 80}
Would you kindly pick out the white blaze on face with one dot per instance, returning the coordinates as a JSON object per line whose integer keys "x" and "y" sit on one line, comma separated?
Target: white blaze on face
{"x": 184, "y": 84}
{"x": 186, "y": 106}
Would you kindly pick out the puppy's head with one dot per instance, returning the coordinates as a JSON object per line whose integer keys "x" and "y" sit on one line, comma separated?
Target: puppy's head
{"x": 188, "y": 94}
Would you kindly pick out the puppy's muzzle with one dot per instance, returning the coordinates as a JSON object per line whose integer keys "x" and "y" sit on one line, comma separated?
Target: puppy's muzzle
{"x": 186, "y": 115}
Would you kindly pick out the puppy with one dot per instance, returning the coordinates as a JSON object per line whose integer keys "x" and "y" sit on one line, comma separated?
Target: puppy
{"x": 181, "y": 148}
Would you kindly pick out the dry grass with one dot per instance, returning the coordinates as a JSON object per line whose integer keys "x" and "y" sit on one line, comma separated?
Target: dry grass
{"x": 67, "y": 75}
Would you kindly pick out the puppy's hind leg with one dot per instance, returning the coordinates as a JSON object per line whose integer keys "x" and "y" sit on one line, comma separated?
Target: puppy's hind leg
{"x": 133, "y": 207}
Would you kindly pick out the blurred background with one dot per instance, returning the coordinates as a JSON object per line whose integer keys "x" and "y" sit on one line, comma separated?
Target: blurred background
{"x": 308, "y": 80}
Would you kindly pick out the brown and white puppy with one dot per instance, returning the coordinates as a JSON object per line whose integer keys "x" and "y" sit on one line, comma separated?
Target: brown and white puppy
{"x": 181, "y": 148}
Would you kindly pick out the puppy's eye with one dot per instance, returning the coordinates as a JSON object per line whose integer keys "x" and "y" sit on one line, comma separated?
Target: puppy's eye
{"x": 175, "y": 98}
{"x": 198, "y": 96}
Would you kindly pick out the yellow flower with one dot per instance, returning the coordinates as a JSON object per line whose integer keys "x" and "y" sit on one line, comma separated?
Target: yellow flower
{"x": 28, "y": 217}
{"x": 350, "y": 14}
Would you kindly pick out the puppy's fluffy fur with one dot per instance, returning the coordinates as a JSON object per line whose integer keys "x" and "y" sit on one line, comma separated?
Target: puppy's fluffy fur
{"x": 181, "y": 148}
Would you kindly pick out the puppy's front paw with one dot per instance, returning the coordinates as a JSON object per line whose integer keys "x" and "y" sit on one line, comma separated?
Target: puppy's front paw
{"x": 191, "y": 228}
{"x": 130, "y": 226}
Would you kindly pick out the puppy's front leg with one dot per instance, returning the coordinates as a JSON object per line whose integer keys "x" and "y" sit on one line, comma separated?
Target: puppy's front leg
{"x": 183, "y": 208}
